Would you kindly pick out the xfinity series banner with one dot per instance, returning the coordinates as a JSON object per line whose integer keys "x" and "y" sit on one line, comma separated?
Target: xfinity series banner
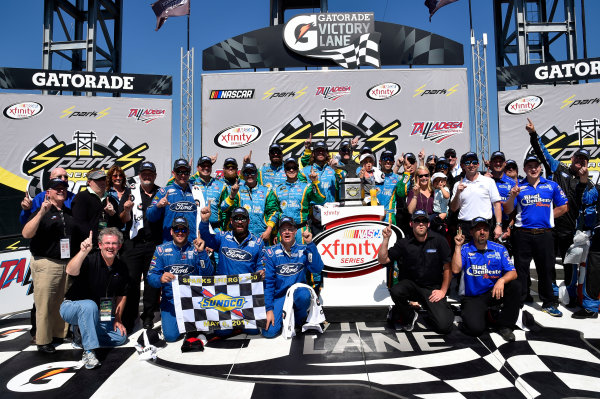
{"x": 398, "y": 110}
{"x": 566, "y": 118}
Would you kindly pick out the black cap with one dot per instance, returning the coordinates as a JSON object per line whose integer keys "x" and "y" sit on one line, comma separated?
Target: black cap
{"x": 204, "y": 159}
{"x": 410, "y": 155}
{"x": 478, "y": 220}
{"x": 239, "y": 211}
{"x": 249, "y": 166}
{"x": 442, "y": 160}
{"x": 366, "y": 150}
{"x": 420, "y": 214}
{"x": 450, "y": 152}
{"x": 230, "y": 161}
{"x": 468, "y": 155}
{"x": 287, "y": 219}
{"x": 320, "y": 144}
{"x": 498, "y": 154}
{"x": 147, "y": 165}
{"x": 345, "y": 144}
{"x": 180, "y": 221}
{"x": 531, "y": 158}
{"x": 583, "y": 152}
{"x": 511, "y": 162}
{"x": 387, "y": 154}
{"x": 53, "y": 183}
{"x": 275, "y": 147}
{"x": 432, "y": 157}
{"x": 181, "y": 163}
{"x": 290, "y": 159}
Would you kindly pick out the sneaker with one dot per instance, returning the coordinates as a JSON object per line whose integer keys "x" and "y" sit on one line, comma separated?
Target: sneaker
{"x": 90, "y": 360}
{"x": 411, "y": 324}
{"x": 552, "y": 311}
{"x": 506, "y": 333}
{"x": 585, "y": 314}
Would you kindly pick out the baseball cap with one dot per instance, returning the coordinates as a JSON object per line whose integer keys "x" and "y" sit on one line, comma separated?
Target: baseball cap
{"x": 53, "y": 183}
{"x": 249, "y": 166}
{"x": 530, "y": 158}
{"x": 409, "y": 156}
{"x": 366, "y": 156}
{"x": 320, "y": 144}
{"x": 512, "y": 163}
{"x": 387, "y": 154}
{"x": 478, "y": 220}
{"x": 345, "y": 145}
{"x": 275, "y": 147}
{"x": 498, "y": 154}
{"x": 420, "y": 214}
{"x": 287, "y": 219}
{"x": 181, "y": 163}
{"x": 148, "y": 166}
{"x": 438, "y": 175}
{"x": 290, "y": 159}
{"x": 180, "y": 221}
{"x": 442, "y": 160}
{"x": 204, "y": 159}
{"x": 450, "y": 152}
{"x": 239, "y": 211}
{"x": 468, "y": 155}
{"x": 97, "y": 175}
{"x": 583, "y": 152}
{"x": 230, "y": 161}
{"x": 432, "y": 157}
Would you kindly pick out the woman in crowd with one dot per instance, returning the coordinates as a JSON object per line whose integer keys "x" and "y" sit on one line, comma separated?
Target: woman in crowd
{"x": 116, "y": 182}
{"x": 421, "y": 196}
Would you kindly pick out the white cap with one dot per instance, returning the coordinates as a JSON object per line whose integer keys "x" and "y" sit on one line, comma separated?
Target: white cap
{"x": 438, "y": 175}
{"x": 365, "y": 156}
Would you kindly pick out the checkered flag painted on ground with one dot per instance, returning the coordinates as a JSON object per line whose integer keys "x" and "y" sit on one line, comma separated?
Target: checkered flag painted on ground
{"x": 205, "y": 303}
{"x": 365, "y": 52}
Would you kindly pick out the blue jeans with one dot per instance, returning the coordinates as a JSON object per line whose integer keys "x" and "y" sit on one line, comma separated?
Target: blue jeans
{"x": 301, "y": 304}
{"x": 94, "y": 333}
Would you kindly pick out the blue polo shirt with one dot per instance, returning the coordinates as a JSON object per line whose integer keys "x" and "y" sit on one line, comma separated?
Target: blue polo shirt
{"x": 535, "y": 204}
{"x": 482, "y": 269}
{"x": 504, "y": 184}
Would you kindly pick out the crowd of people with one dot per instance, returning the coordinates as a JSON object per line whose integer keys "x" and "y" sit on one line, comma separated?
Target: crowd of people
{"x": 479, "y": 223}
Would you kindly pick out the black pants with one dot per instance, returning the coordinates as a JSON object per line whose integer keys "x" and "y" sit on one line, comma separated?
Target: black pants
{"x": 137, "y": 256}
{"x": 540, "y": 248}
{"x": 440, "y": 313}
{"x": 474, "y": 309}
{"x": 563, "y": 242}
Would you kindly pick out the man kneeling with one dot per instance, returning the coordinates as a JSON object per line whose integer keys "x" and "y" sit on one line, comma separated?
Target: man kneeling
{"x": 96, "y": 300}
{"x": 488, "y": 279}
{"x": 286, "y": 265}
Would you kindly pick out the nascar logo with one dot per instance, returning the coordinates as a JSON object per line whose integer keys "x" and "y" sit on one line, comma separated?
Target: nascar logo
{"x": 237, "y": 94}
{"x": 223, "y": 302}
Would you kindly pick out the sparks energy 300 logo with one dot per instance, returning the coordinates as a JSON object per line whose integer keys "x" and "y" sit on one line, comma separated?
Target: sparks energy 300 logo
{"x": 437, "y": 131}
{"x": 78, "y": 157}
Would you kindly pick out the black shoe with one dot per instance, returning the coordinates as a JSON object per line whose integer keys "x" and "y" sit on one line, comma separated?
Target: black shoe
{"x": 584, "y": 314}
{"x": 148, "y": 324}
{"x": 48, "y": 348}
{"x": 506, "y": 333}
{"x": 528, "y": 299}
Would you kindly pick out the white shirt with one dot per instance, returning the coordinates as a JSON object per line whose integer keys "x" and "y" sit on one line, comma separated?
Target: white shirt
{"x": 456, "y": 170}
{"x": 477, "y": 198}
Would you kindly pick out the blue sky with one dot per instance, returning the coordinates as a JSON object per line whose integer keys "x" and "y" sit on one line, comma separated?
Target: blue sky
{"x": 148, "y": 52}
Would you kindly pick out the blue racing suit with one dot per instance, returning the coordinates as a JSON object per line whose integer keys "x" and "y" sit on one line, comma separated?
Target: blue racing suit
{"x": 213, "y": 191}
{"x": 270, "y": 176}
{"x": 181, "y": 203}
{"x": 284, "y": 269}
{"x": 386, "y": 194}
{"x": 168, "y": 257}
{"x": 327, "y": 178}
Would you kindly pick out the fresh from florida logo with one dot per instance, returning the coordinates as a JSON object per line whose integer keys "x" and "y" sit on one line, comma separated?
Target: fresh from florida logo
{"x": 523, "y": 105}
{"x": 146, "y": 115}
{"x": 24, "y": 110}
{"x": 333, "y": 92}
{"x": 237, "y": 136}
{"x": 223, "y": 302}
{"x": 437, "y": 131}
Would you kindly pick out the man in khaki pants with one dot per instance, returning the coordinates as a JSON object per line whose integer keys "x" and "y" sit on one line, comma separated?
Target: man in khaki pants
{"x": 54, "y": 238}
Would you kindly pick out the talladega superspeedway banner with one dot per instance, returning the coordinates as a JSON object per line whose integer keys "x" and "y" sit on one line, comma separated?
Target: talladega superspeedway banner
{"x": 566, "y": 117}
{"x": 400, "y": 110}
{"x": 78, "y": 134}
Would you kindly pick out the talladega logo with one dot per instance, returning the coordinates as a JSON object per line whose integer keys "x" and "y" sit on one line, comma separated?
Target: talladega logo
{"x": 524, "y": 105}
{"x": 237, "y": 136}
{"x": 437, "y": 131}
{"x": 24, "y": 110}
{"x": 183, "y": 206}
{"x": 383, "y": 91}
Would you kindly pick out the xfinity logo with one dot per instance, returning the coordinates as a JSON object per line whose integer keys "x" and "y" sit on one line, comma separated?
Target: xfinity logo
{"x": 523, "y": 105}
{"x": 383, "y": 91}
{"x": 24, "y": 110}
{"x": 236, "y": 254}
{"x": 183, "y": 206}
{"x": 237, "y": 136}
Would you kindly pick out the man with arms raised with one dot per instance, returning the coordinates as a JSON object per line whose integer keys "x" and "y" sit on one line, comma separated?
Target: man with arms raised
{"x": 29, "y": 206}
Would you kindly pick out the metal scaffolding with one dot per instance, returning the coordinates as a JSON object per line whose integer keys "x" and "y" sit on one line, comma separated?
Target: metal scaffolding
{"x": 84, "y": 52}
{"x": 480, "y": 96}
{"x": 186, "y": 125}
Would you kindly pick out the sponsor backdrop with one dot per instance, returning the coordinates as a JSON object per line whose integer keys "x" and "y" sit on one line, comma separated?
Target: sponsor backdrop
{"x": 76, "y": 133}
{"x": 566, "y": 117}
{"x": 399, "y": 110}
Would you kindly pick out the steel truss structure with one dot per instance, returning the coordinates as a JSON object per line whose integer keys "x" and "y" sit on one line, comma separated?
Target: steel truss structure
{"x": 186, "y": 100}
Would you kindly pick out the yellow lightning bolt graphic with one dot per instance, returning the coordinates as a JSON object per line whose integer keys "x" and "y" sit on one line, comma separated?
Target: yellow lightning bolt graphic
{"x": 301, "y": 92}
{"x": 13, "y": 247}
{"x": 383, "y": 140}
{"x": 419, "y": 90}
{"x": 129, "y": 157}
{"x": 294, "y": 142}
{"x": 568, "y": 101}
{"x": 44, "y": 157}
{"x": 67, "y": 112}
{"x": 268, "y": 93}
{"x": 452, "y": 90}
{"x": 103, "y": 113}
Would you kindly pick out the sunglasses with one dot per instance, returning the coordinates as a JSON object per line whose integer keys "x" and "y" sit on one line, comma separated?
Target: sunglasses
{"x": 250, "y": 173}
{"x": 291, "y": 168}
{"x": 511, "y": 168}
{"x": 118, "y": 176}
{"x": 180, "y": 230}
{"x": 230, "y": 167}
{"x": 421, "y": 221}
{"x": 239, "y": 219}
{"x": 450, "y": 156}
{"x": 473, "y": 162}
{"x": 387, "y": 160}
{"x": 443, "y": 166}
{"x": 422, "y": 176}
{"x": 182, "y": 172}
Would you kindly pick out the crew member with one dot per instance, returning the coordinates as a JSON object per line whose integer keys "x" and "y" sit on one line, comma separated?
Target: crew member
{"x": 28, "y": 206}
{"x": 271, "y": 175}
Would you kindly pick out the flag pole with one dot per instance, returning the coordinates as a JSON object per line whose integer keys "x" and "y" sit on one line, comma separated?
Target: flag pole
{"x": 470, "y": 18}
{"x": 188, "y": 32}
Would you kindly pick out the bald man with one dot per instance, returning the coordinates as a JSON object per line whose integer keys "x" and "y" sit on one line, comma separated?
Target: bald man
{"x": 29, "y": 206}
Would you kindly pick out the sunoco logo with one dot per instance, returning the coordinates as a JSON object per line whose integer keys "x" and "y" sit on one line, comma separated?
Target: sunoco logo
{"x": 223, "y": 303}
{"x": 235, "y": 94}
{"x": 523, "y": 105}
{"x": 383, "y": 91}
{"x": 183, "y": 206}
{"x": 78, "y": 157}
{"x": 237, "y": 136}
{"x": 24, "y": 110}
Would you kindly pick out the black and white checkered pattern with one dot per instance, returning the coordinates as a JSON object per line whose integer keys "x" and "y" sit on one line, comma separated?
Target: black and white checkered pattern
{"x": 365, "y": 51}
{"x": 189, "y": 292}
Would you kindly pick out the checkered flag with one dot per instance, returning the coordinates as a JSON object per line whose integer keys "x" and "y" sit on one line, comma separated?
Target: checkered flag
{"x": 363, "y": 52}
{"x": 205, "y": 303}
